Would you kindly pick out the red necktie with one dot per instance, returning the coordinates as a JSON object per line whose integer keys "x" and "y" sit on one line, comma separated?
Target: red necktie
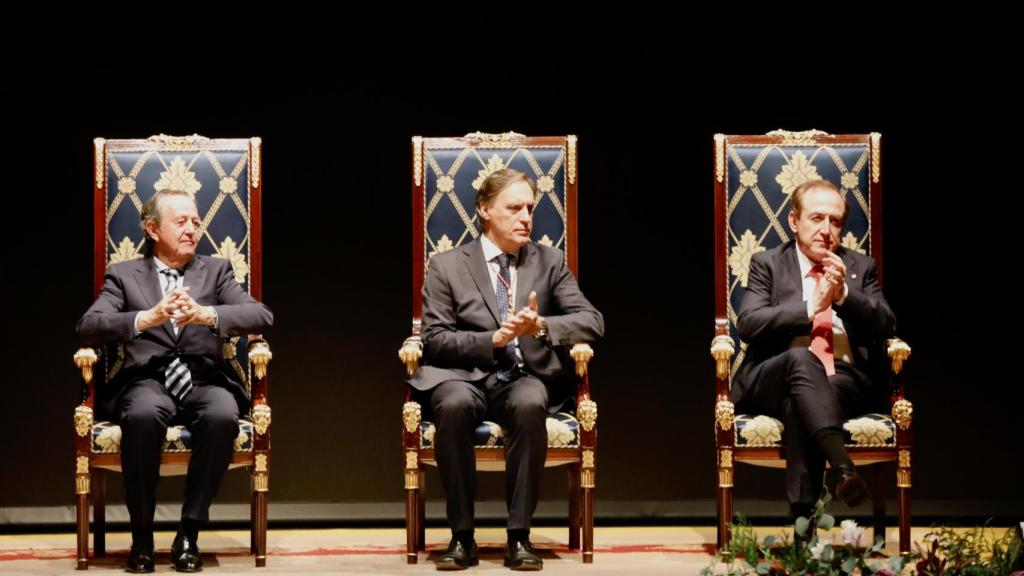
{"x": 821, "y": 331}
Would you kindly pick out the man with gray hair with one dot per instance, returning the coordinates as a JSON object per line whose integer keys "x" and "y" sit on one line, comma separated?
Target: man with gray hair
{"x": 171, "y": 310}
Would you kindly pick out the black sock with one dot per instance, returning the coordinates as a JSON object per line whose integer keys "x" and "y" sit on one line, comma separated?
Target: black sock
{"x": 190, "y": 528}
{"x": 519, "y": 535}
{"x": 831, "y": 443}
{"x": 142, "y": 537}
{"x": 801, "y": 510}
{"x": 465, "y": 537}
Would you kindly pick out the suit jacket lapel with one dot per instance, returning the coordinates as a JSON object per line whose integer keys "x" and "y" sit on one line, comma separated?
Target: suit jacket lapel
{"x": 851, "y": 270}
{"x": 473, "y": 256}
{"x": 149, "y": 285}
{"x": 791, "y": 282}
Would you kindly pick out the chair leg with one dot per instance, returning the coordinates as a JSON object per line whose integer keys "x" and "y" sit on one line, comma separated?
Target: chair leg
{"x": 261, "y": 529}
{"x": 904, "y": 519}
{"x": 574, "y": 507}
{"x": 260, "y": 496}
{"x": 878, "y": 498}
{"x": 421, "y": 517}
{"x": 724, "y": 515}
{"x": 588, "y": 525}
{"x": 253, "y": 517}
{"x": 82, "y": 517}
{"x": 99, "y": 513}
{"x": 412, "y": 517}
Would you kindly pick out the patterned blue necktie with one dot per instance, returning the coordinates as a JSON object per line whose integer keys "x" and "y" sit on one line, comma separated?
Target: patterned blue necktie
{"x": 506, "y": 357}
{"x": 177, "y": 378}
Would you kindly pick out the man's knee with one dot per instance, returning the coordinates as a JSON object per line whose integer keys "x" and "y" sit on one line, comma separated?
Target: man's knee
{"x": 802, "y": 361}
{"x": 454, "y": 400}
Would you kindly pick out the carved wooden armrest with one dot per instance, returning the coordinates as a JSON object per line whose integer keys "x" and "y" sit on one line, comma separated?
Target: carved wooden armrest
{"x": 410, "y": 353}
{"x": 582, "y": 354}
{"x": 898, "y": 351}
{"x": 722, "y": 349}
{"x": 85, "y": 358}
{"x": 259, "y": 356}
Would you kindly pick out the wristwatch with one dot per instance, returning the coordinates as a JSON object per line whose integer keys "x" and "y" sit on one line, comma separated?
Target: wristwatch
{"x": 542, "y": 330}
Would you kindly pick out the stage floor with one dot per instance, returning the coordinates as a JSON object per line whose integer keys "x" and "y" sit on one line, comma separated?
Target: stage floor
{"x": 618, "y": 550}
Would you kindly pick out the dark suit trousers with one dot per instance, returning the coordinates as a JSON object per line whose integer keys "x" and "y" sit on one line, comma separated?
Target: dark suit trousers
{"x": 520, "y": 407}
{"x": 145, "y": 410}
{"x": 794, "y": 388}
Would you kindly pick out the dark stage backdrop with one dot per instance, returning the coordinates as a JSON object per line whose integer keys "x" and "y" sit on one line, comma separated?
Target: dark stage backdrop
{"x": 336, "y": 115}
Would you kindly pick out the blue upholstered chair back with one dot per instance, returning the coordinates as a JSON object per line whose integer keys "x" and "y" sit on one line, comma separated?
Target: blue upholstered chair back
{"x": 222, "y": 174}
{"x": 448, "y": 172}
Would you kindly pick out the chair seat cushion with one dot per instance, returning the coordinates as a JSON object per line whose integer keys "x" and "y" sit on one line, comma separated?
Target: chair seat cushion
{"x": 106, "y": 438}
{"x": 867, "y": 431}
{"x": 563, "y": 432}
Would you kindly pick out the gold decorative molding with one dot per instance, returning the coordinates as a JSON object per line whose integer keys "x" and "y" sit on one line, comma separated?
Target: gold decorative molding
{"x": 570, "y": 166}
{"x": 261, "y": 418}
{"x": 904, "y": 458}
{"x": 582, "y": 354}
{"x": 725, "y": 458}
{"x": 100, "y": 170}
{"x": 805, "y": 138}
{"x": 259, "y": 357}
{"x": 725, "y": 468}
{"x": 587, "y": 471}
{"x": 412, "y": 470}
{"x": 417, "y": 160}
{"x": 83, "y": 420}
{"x": 410, "y": 353}
{"x": 82, "y": 475}
{"x": 722, "y": 349}
{"x": 411, "y": 416}
{"x": 903, "y": 478}
{"x": 725, "y": 414}
{"x": 496, "y": 140}
{"x": 588, "y": 459}
{"x": 720, "y": 157}
{"x": 586, "y": 412}
{"x": 260, "y": 477}
{"x": 177, "y": 142}
{"x": 898, "y": 351}
{"x": 255, "y": 149}
{"x": 85, "y": 358}
{"x": 876, "y": 160}
{"x": 902, "y": 413}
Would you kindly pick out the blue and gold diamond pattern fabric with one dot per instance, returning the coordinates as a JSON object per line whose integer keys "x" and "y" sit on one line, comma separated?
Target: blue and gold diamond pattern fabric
{"x": 219, "y": 181}
{"x": 760, "y": 179}
{"x": 453, "y": 176}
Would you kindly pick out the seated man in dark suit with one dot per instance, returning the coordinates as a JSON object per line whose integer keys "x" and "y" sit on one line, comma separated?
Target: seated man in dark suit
{"x": 171, "y": 310}
{"x": 485, "y": 360}
{"x": 814, "y": 320}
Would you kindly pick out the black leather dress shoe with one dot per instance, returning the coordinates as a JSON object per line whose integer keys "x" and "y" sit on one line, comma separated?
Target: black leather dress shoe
{"x": 520, "y": 555}
{"x": 458, "y": 557}
{"x": 140, "y": 559}
{"x": 185, "y": 554}
{"x": 850, "y": 487}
